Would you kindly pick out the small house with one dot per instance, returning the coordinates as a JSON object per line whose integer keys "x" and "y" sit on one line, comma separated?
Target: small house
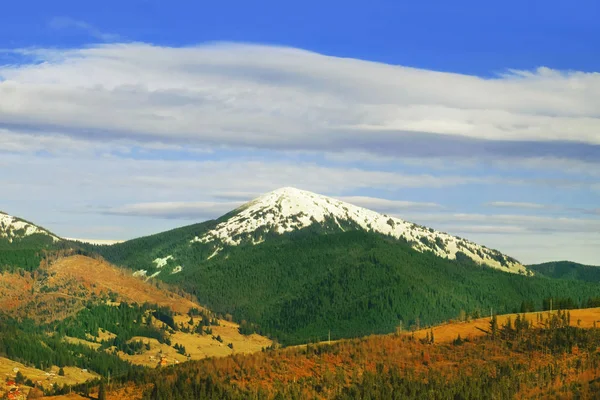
{"x": 163, "y": 361}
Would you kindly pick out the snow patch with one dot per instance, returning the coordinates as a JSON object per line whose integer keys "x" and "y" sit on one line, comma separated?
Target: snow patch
{"x": 217, "y": 250}
{"x": 153, "y": 275}
{"x": 177, "y": 269}
{"x": 161, "y": 262}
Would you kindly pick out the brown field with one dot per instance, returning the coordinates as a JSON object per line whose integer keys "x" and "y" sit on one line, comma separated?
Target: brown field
{"x": 101, "y": 277}
{"x": 62, "y": 288}
{"x": 445, "y": 333}
{"x": 71, "y": 396}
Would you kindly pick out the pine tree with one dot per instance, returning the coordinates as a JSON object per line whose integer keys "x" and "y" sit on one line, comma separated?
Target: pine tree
{"x": 102, "y": 392}
{"x": 494, "y": 326}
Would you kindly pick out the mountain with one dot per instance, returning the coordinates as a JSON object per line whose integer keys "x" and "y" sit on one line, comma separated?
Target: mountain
{"x": 568, "y": 270}
{"x": 295, "y": 265}
{"x": 290, "y": 210}
{"x": 15, "y": 230}
{"x": 23, "y": 244}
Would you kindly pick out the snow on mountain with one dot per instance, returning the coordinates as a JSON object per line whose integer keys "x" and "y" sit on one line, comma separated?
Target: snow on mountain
{"x": 14, "y": 228}
{"x": 289, "y": 209}
{"x": 161, "y": 262}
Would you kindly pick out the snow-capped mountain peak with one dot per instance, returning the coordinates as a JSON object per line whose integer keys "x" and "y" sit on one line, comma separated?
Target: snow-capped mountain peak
{"x": 289, "y": 209}
{"x": 12, "y": 228}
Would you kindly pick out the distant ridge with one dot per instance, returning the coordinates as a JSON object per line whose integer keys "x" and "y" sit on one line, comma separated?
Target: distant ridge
{"x": 568, "y": 270}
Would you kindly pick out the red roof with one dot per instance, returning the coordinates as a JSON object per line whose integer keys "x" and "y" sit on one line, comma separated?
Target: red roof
{"x": 11, "y": 383}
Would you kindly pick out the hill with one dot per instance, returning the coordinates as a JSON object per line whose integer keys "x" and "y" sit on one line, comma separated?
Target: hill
{"x": 62, "y": 287}
{"x": 289, "y": 210}
{"x": 81, "y": 313}
{"x": 568, "y": 270}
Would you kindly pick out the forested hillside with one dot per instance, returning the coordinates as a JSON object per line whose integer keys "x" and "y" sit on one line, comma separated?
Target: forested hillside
{"x": 298, "y": 288}
{"x": 303, "y": 285}
{"x": 139, "y": 254}
{"x": 23, "y": 245}
{"x": 525, "y": 359}
{"x": 568, "y": 270}
{"x": 287, "y": 212}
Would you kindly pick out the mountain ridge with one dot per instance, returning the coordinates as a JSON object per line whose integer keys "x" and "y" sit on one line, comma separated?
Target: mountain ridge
{"x": 567, "y": 270}
{"x": 14, "y": 228}
{"x": 288, "y": 209}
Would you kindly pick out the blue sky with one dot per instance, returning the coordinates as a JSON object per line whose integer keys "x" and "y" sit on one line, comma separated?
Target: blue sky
{"x": 463, "y": 36}
{"x": 119, "y": 119}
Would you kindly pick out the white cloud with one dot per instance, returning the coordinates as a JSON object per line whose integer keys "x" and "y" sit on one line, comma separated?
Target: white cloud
{"x": 273, "y": 97}
{"x": 113, "y": 181}
{"x": 533, "y": 248}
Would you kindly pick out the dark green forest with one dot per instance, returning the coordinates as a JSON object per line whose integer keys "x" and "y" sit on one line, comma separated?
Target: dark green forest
{"x": 138, "y": 253}
{"x": 568, "y": 270}
{"x": 43, "y": 345}
{"x": 298, "y": 288}
{"x": 25, "y": 253}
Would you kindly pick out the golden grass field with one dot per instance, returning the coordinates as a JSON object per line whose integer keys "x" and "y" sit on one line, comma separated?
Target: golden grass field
{"x": 584, "y": 318}
{"x": 198, "y": 346}
{"x": 43, "y": 378}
